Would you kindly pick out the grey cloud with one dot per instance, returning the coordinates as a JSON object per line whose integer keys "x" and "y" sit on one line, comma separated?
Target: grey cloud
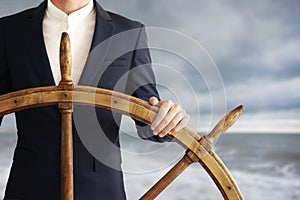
{"x": 9, "y": 7}
{"x": 267, "y": 95}
{"x": 255, "y": 45}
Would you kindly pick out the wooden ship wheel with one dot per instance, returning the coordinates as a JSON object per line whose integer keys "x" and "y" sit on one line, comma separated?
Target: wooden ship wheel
{"x": 198, "y": 149}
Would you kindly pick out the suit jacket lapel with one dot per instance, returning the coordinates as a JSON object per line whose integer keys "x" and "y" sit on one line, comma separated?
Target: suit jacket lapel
{"x": 36, "y": 45}
{"x": 99, "y": 48}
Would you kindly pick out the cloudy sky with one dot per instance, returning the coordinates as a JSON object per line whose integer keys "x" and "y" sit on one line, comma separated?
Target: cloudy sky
{"x": 253, "y": 45}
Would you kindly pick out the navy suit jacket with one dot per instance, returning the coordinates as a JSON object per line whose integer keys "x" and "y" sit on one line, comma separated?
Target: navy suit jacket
{"x": 35, "y": 172}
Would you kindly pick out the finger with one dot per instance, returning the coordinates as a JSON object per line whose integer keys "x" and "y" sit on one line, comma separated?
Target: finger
{"x": 168, "y": 119}
{"x": 153, "y": 101}
{"x": 181, "y": 124}
{"x": 173, "y": 123}
{"x": 162, "y": 112}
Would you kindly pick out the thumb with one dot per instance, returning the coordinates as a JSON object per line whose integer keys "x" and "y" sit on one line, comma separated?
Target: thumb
{"x": 153, "y": 101}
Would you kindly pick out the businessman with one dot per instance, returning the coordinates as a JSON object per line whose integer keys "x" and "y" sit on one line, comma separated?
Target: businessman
{"x": 29, "y": 57}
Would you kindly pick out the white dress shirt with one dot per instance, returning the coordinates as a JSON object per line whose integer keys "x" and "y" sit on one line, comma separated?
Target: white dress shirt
{"x": 80, "y": 26}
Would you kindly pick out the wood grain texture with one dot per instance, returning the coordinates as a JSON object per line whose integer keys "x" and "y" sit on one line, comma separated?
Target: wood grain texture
{"x": 127, "y": 105}
{"x": 199, "y": 149}
{"x": 67, "y": 185}
{"x": 167, "y": 179}
{"x": 65, "y": 58}
{"x": 66, "y": 110}
{"x": 224, "y": 124}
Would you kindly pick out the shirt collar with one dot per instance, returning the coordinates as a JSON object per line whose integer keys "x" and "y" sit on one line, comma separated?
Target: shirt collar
{"x": 57, "y": 14}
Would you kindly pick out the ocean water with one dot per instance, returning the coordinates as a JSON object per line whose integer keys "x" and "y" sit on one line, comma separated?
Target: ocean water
{"x": 265, "y": 166}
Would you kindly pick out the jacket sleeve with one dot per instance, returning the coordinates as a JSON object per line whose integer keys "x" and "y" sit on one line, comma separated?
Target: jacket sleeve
{"x": 141, "y": 83}
{"x": 5, "y": 81}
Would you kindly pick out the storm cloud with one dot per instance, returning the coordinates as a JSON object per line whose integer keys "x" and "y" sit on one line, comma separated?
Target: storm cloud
{"x": 254, "y": 44}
